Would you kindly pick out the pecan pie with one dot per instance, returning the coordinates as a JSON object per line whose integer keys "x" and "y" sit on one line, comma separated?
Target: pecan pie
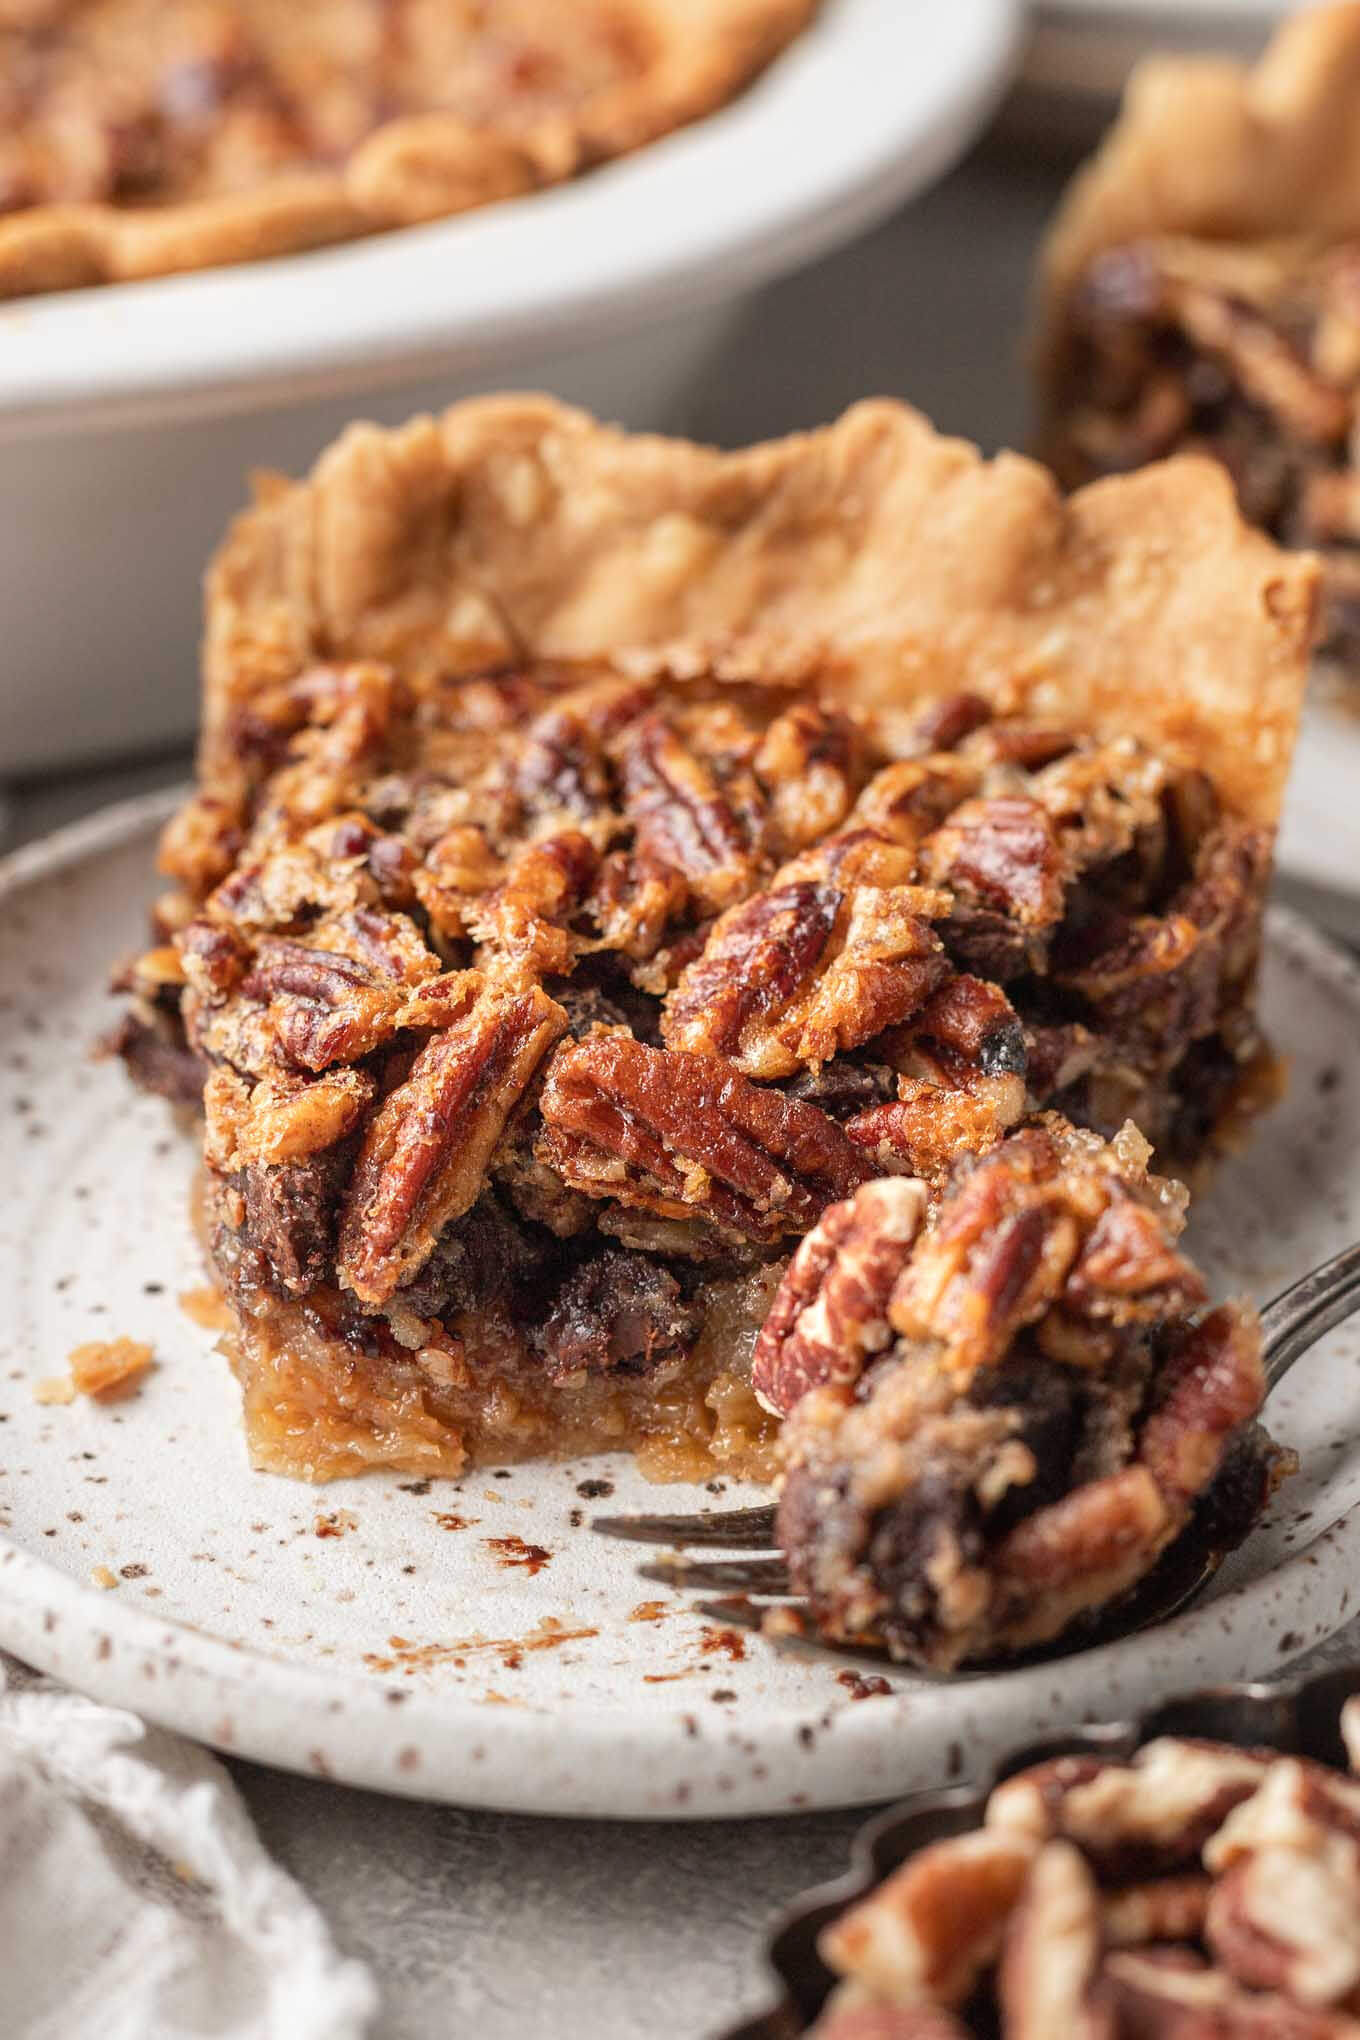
{"x": 1201, "y": 288}
{"x": 1197, "y": 1892}
{"x": 614, "y": 862}
{"x": 143, "y": 136}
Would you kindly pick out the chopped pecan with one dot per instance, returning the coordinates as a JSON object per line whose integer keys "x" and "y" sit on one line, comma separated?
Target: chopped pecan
{"x": 682, "y": 820}
{"x": 428, "y": 1146}
{"x": 327, "y": 1006}
{"x": 805, "y": 972}
{"x": 200, "y": 843}
{"x": 757, "y": 958}
{"x": 1285, "y": 1913}
{"x": 936, "y": 1118}
{"x": 1001, "y": 854}
{"x": 1147, "y": 1818}
{"x": 1162, "y": 1909}
{"x": 1285, "y": 1919}
{"x": 1172, "y": 1995}
{"x": 904, "y": 801}
{"x": 1027, "y": 745}
{"x": 282, "y": 1118}
{"x": 562, "y": 761}
{"x": 1129, "y": 1266}
{"x": 631, "y": 904}
{"x": 1211, "y": 1384}
{"x": 334, "y": 998}
{"x": 346, "y": 714}
{"x": 280, "y": 886}
{"x": 1041, "y": 1222}
{"x": 929, "y": 1931}
{"x": 1263, "y": 363}
{"x": 324, "y": 1007}
{"x": 524, "y": 921}
{"x": 1081, "y": 1551}
{"x": 214, "y": 956}
{"x": 850, "y": 2016}
{"x": 830, "y": 1315}
{"x": 458, "y": 869}
{"x": 684, "y": 1136}
{"x": 946, "y": 722}
{"x": 1052, "y": 1951}
{"x": 807, "y": 763}
{"x": 996, "y": 1258}
{"x": 388, "y": 944}
{"x": 1297, "y": 1805}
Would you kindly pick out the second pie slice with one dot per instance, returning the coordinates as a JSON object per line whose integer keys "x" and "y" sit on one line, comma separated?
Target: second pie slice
{"x": 1201, "y": 288}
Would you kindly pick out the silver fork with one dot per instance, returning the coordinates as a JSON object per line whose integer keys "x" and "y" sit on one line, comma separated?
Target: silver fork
{"x": 756, "y": 1584}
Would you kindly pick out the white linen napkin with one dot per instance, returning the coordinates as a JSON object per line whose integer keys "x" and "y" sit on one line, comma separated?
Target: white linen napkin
{"x": 136, "y": 1900}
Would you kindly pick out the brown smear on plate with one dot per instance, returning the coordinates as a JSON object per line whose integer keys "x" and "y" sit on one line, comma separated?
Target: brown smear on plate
{"x": 404, "y": 1656}
{"x": 514, "y": 1553}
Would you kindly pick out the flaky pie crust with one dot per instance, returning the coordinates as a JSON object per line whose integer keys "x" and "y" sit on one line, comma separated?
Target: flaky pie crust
{"x": 889, "y": 561}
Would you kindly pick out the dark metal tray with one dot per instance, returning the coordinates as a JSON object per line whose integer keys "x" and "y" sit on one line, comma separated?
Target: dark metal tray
{"x": 1296, "y": 1717}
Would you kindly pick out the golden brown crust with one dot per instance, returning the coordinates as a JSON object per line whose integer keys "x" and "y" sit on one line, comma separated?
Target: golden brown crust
{"x": 1205, "y": 146}
{"x": 415, "y": 167}
{"x": 890, "y": 561}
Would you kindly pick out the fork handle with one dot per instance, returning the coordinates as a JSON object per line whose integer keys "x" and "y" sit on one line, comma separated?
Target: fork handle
{"x": 1300, "y": 1315}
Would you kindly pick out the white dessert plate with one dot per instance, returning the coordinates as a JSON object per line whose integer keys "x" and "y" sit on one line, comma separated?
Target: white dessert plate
{"x": 472, "y": 1641}
{"x": 864, "y": 108}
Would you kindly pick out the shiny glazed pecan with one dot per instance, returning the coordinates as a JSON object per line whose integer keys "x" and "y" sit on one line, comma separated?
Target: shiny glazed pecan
{"x": 830, "y": 1316}
{"x": 803, "y": 973}
{"x": 426, "y": 1151}
{"x": 686, "y": 1136}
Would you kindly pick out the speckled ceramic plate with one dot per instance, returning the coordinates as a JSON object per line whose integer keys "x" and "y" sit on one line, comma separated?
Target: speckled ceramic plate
{"x": 472, "y": 1641}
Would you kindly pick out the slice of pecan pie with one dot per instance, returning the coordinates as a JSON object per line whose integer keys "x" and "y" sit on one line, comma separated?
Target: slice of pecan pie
{"x": 143, "y": 136}
{"x": 1201, "y": 288}
{"x": 611, "y": 856}
{"x": 1196, "y": 1890}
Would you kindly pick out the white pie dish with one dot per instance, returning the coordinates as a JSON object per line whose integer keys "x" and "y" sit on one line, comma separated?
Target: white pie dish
{"x": 130, "y": 414}
{"x": 279, "y": 1621}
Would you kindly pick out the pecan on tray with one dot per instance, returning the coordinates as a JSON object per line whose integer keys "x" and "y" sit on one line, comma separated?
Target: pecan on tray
{"x": 1240, "y": 1922}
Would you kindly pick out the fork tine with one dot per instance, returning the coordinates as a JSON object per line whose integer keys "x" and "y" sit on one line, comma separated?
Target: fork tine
{"x": 791, "y": 1640}
{"x": 736, "y": 1613}
{"x": 738, "y": 1529}
{"x": 735, "y": 1576}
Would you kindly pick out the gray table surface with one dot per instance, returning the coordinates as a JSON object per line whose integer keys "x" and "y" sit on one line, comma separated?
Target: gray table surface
{"x": 503, "y": 1925}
